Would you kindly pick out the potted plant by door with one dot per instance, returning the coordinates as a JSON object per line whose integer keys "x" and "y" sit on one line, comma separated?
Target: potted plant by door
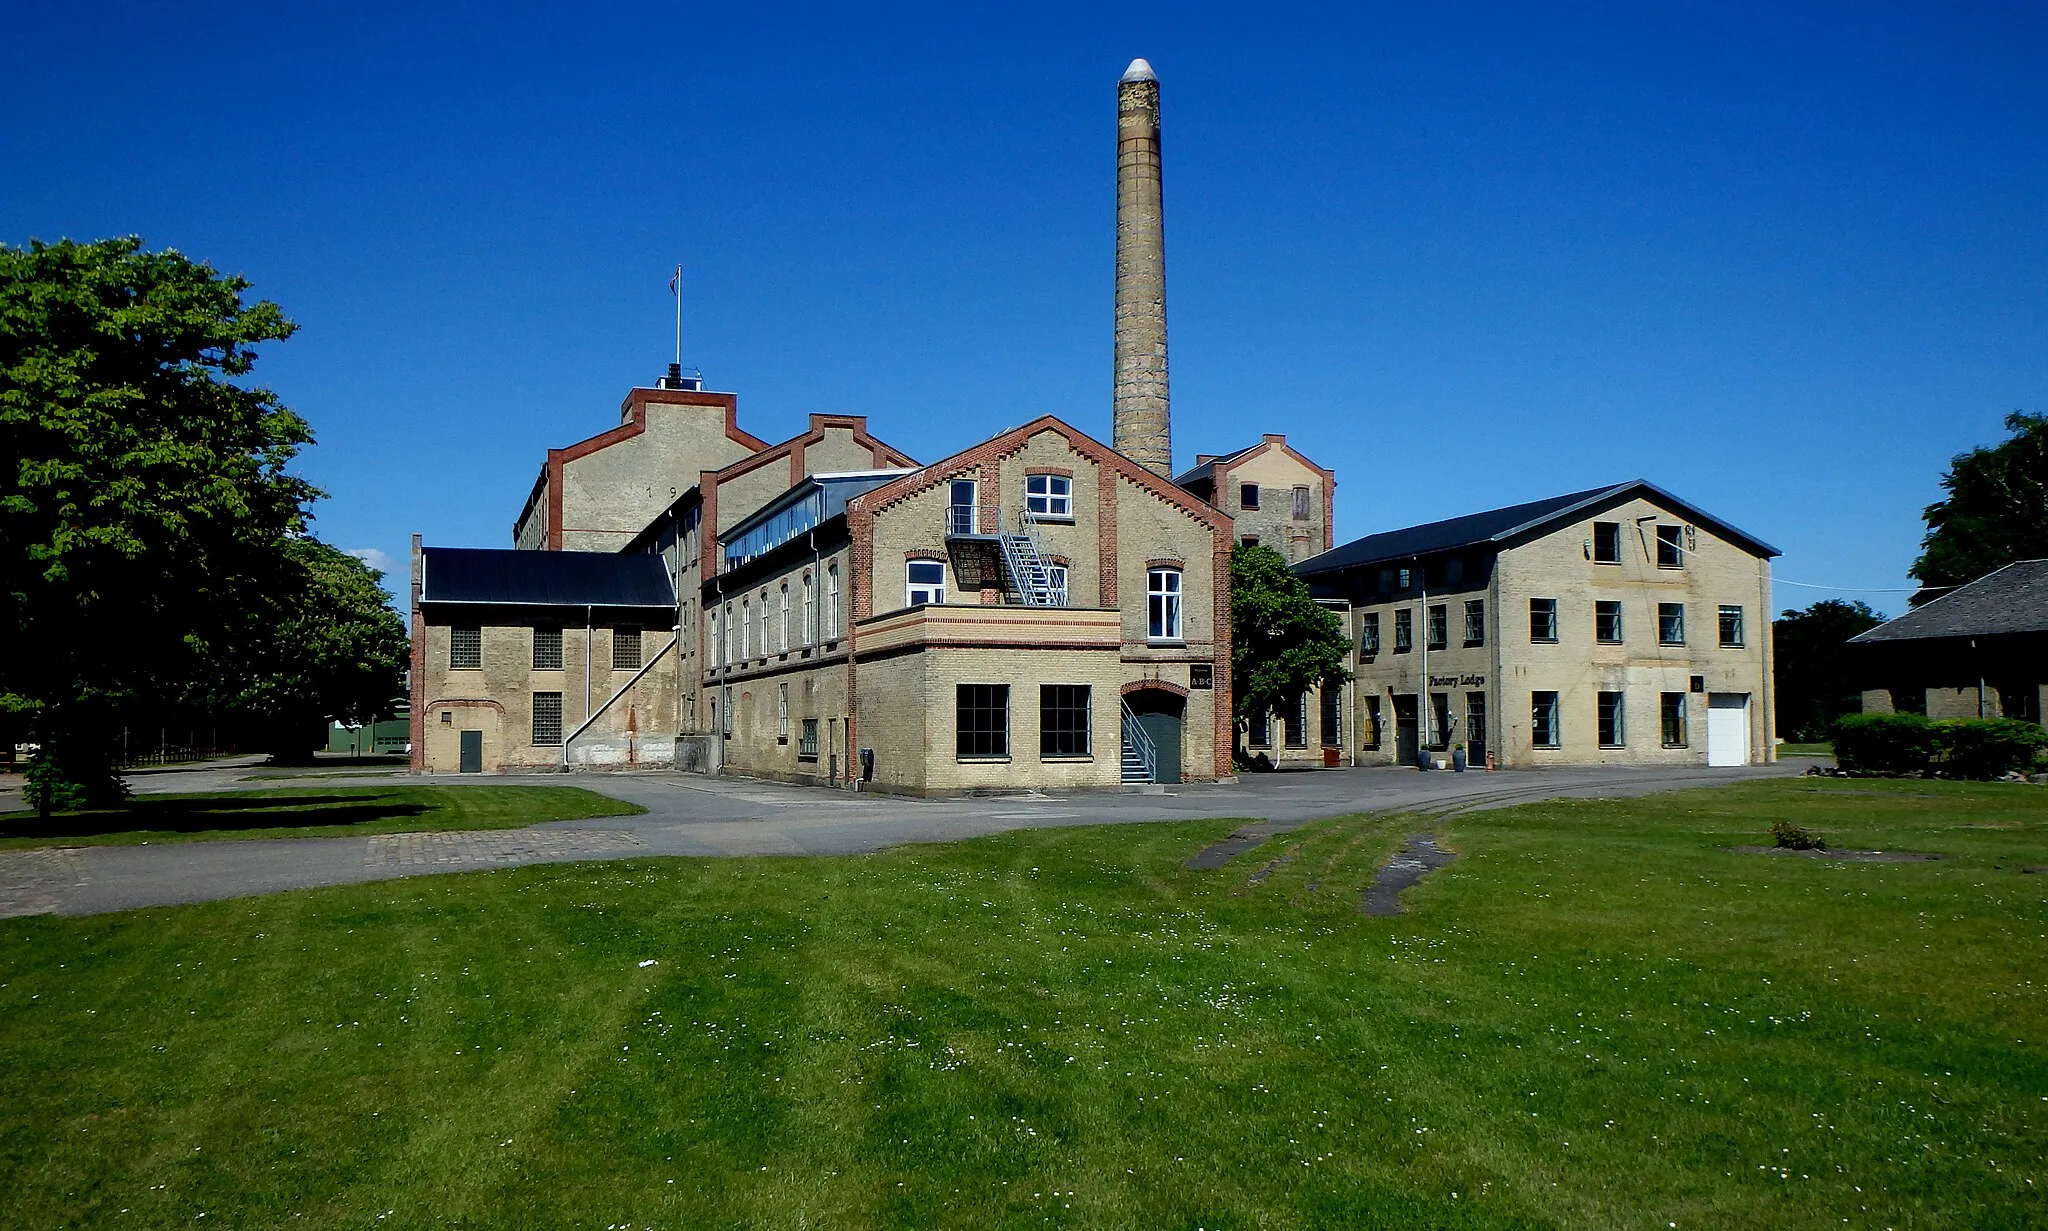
{"x": 1458, "y": 758}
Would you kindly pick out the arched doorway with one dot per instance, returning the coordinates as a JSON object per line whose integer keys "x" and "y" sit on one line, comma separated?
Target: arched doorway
{"x": 1160, "y": 712}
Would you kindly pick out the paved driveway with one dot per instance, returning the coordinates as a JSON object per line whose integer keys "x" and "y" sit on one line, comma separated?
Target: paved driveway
{"x": 694, "y": 816}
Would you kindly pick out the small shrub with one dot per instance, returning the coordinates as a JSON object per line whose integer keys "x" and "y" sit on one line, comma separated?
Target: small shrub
{"x": 1892, "y": 744}
{"x": 1795, "y": 838}
{"x": 47, "y": 790}
{"x": 1986, "y": 748}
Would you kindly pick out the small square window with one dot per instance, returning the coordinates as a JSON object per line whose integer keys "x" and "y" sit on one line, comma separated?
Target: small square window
{"x": 982, "y": 720}
{"x": 1248, "y": 496}
{"x": 1063, "y": 711}
{"x": 1048, "y": 495}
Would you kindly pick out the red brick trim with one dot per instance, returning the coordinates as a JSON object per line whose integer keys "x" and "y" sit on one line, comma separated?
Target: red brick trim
{"x": 1053, "y": 557}
{"x": 1166, "y": 562}
{"x": 1219, "y": 476}
{"x": 1063, "y": 471}
{"x": 465, "y": 703}
{"x": 634, "y": 412}
{"x": 1161, "y": 685}
{"x": 926, "y": 553}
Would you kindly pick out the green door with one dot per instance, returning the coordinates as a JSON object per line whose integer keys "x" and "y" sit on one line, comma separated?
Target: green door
{"x": 1164, "y": 731}
{"x": 472, "y": 752}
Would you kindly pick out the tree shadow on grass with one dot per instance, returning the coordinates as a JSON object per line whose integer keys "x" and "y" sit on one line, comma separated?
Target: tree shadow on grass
{"x": 211, "y": 814}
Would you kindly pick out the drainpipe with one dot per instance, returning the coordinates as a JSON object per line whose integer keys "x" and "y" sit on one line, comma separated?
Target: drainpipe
{"x": 588, "y": 624}
{"x": 1423, "y": 711}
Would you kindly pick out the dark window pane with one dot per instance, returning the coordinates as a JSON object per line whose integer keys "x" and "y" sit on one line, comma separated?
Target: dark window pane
{"x": 1248, "y": 496}
{"x": 1404, "y": 631}
{"x": 1063, "y": 720}
{"x": 1607, "y": 542}
{"x": 1543, "y": 730}
{"x": 465, "y": 649}
{"x": 1731, "y": 627}
{"x": 982, "y": 713}
{"x": 1671, "y": 719}
{"x": 547, "y": 718}
{"x": 1607, "y": 621}
{"x": 1475, "y": 622}
{"x": 1296, "y": 717}
{"x": 1439, "y": 627}
{"x": 1613, "y": 733}
{"x": 1542, "y": 619}
{"x": 547, "y": 649}
{"x": 625, "y": 649}
{"x": 1671, "y": 623}
{"x": 1332, "y": 694}
{"x": 1670, "y": 551}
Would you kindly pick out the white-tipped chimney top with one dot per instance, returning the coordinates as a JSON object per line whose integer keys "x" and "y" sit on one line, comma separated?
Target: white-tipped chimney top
{"x": 1139, "y": 71}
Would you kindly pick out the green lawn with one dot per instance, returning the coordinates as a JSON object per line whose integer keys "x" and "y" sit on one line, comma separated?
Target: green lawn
{"x": 309, "y": 812}
{"x": 1596, "y": 1017}
{"x": 1823, "y": 749}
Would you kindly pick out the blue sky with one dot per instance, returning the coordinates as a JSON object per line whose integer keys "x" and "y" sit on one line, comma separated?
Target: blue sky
{"x": 1784, "y": 260}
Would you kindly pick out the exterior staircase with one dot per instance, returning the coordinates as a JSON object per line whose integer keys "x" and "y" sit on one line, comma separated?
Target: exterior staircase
{"x": 1026, "y": 563}
{"x": 1141, "y": 758}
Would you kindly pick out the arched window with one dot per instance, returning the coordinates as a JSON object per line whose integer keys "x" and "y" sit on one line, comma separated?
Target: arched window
{"x": 810, "y": 614}
{"x": 746, "y": 627}
{"x": 832, "y": 603}
{"x": 782, "y": 639}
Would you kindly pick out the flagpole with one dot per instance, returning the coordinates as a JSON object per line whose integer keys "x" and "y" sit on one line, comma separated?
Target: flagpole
{"x": 679, "y": 315}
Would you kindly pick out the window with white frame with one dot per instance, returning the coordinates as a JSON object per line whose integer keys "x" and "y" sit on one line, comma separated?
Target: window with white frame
{"x": 782, "y": 713}
{"x": 1056, "y": 583}
{"x": 732, "y": 638}
{"x": 810, "y": 613}
{"x": 767, "y": 636}
{"x": 1162, "y": 592}
{"x": 746, "y": 627}
{"x": 832, "y": 603}
{"x": 924, "y": 583}
{"x": 1048, "y": 495}
{"x": 782, "y": 638}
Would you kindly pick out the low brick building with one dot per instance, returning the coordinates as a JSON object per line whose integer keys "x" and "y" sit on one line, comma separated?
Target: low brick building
{"x": 1619, "y": 625}
{"x": 1979, "y": 651}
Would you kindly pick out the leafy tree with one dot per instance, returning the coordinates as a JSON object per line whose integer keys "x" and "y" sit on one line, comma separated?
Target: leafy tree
{"x": 1283, "y": 642}
{"x": 1996, "y": 511}
{"x": 1815, "y": 682}
{"x": 325, "y": 645}
{"x": 143, "y": 496}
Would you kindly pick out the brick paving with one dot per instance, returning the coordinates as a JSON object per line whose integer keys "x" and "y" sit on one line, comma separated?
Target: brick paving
{"x": 34, "y": 882}
{"x": 495, "y": 847}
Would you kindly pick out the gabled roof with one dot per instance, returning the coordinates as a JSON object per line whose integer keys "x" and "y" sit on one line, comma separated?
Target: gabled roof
{"x": 544, "y": 578}
{"x": 2012, "y": 600}
{"x": 1501, "y": 526}
{"x": 1207, "y": 470}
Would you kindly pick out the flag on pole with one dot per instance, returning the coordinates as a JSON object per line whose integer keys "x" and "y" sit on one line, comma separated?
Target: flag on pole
{"x": 675, "y": 281}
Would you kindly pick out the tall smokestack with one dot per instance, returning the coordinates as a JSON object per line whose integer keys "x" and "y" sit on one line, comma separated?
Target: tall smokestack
{"x": 1141, "y": 431}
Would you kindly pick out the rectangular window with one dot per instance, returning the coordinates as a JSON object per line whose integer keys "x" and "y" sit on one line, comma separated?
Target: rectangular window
{"x": 625, "y": 649}
{"x": 717, "y": 650}
{"x": 465, "y": 649}
{"x": 1259, "y": 731}
{"x": 982, "y": 720}
{"x": 1440, "y": 720}
{"x": 724, "y": 715}
{"x": 1162, "y": 590}
{"x": 782, "y": 713}
{"x": 1542, "y": 619}
{"x": 1332, "y": 694}
{"x": 547, "y": 649}
{"x": 1671, "y": 719}
{"x": 1612, "y": 720}
{"x": 1731, "y": 627}
{"x": 547, "y": 718}
{"x": 1607, "y": 542}
{"x": 1301, "y": 504}
{"x": 832, "y": 603}
{"x": 1607, "y": 621}
{"x": 1369, "y": 738}
{"x": 1475, "y": 622}
{"x": 1671, "y": 623}
{"x": 746, "y": 627}
{"x": 1670, "y": 549}
{"x": 807, "y": 741}
{"x": 924, "y": 582}
{"x": 1056, "y": 583}
{"x": 1296, "y": 722}
{"x": 732, "y": 637}
{"x": 1248, "y": 496}
{"x": 810, "y": 614}
{"x": 1063, "y": 720}
{"x": 1404, "y": 631}
{"x": 782, "y": 637}
{"x": 1439, "y": 626}
{"x": 1369, "y": 634}
{"x": 961, "y": 515}
{"x": 1048, "y": 495}
{"x": 1543, "y": 732}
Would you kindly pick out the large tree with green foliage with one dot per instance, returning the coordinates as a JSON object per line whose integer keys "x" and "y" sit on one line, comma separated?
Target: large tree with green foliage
{"x": 144, "y": 500}
{"x": 1996, "y": 510}
{"x": 1813, "y": 677}
{"x": 1283, "y": 642}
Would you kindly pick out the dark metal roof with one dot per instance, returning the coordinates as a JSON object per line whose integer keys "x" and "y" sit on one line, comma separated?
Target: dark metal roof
{"x": 545, "y": 578}
{"x": 1207, "y": 470}
{"x": 2012, "y": 600}
{"x": 1500, "y": 525}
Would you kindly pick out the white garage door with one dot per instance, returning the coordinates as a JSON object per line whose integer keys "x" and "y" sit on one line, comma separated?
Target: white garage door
{"x": 1728, "y": 728}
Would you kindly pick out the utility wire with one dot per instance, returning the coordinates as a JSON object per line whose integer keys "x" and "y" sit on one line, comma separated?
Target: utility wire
{"x": 1784, "y": 581}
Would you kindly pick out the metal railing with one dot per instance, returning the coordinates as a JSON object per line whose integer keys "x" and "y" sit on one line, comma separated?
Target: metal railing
{"x": 1140, "y": 753}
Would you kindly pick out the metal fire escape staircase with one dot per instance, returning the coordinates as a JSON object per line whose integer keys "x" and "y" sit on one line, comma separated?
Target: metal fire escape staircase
{"x": 1025, "y": 560}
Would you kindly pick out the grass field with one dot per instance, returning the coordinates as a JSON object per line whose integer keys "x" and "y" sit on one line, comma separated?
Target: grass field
{"x": 1806, "y": 750}
{"x": 309, "y": 812}
{"x": 1596, "y": 1017}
